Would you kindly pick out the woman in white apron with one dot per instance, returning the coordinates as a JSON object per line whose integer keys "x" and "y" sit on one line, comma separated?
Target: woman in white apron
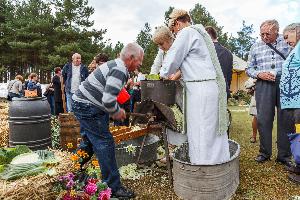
{"x": 206, "y": 116}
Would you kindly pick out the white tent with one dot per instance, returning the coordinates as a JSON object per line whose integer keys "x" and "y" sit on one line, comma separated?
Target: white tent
{"x": 239, "y": 76}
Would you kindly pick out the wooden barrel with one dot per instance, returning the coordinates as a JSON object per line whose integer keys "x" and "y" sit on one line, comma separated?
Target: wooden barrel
{"x": 213, "y": 182}
{"x": 29, "y": 123}
{"x": 69, "y": 131}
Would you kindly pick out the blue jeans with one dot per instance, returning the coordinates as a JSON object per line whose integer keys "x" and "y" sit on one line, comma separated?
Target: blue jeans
{"x": 94, "y": 129}
{"x": 12, "y": 95}
{"x": 69, "y": 101}
{"x": 51, "y": 102}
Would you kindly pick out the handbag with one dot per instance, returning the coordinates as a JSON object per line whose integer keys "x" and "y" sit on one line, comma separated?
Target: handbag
{"x": 31, "y": 93}
{"x": 295, "y": 146}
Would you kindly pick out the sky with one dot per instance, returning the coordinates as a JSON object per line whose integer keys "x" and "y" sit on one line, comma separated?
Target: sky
{"x": 124, "y": 19}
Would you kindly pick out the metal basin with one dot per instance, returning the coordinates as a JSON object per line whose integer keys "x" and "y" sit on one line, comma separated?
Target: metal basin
{"x": 148, "y": 154}
{"x": 213, "y": 182}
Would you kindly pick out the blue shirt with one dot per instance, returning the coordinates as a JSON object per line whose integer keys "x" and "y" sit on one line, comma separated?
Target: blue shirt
{"x": 263, "y": 59}
{"x": 290, "y": 80}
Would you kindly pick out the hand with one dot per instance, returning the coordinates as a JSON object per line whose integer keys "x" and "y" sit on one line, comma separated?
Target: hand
{"x": 267, "y": 76}
{"x": 120, "y": 116}
{"x": 172, "y": 77}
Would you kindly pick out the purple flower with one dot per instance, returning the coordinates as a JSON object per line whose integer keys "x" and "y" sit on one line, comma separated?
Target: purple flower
{"x": 105, "y": 194}
{"x": 91, "y": 188}
{"x": 71, "y": 176}
{"x": 70, "y": 184}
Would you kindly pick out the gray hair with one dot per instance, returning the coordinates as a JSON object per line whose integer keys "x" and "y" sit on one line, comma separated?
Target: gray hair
{"x": 131, "y": 49}
{"x": 292, "y": 27}
{"x": 272, "y": 22}
{"x": 75, "y": 55}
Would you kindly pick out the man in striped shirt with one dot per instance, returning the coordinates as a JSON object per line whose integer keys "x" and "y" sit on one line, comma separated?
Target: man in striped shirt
{"x": 94, "y": 102}
{"x": 265, "y": 65}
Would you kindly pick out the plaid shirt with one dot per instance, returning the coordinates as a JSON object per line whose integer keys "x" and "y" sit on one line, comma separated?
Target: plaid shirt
{"x": 263, "y": 59}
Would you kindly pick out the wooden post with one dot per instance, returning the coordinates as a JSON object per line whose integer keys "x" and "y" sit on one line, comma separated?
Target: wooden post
{"x": 166, "y": 145}
{"x": 63, "y": 93}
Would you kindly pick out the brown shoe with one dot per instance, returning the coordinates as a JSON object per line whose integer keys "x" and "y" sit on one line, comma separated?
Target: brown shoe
{"x": 295, "y": 178}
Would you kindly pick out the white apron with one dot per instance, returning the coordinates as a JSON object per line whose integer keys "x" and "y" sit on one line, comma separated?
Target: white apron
{"x": 206, "y": 147}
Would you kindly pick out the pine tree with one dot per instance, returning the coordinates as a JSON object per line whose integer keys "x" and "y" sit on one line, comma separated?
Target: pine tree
{"x": 144, "y": 39}
{"x": 241, "y": 44}
{"x": 72, "y": 34}
{"x": 200, "y": 15}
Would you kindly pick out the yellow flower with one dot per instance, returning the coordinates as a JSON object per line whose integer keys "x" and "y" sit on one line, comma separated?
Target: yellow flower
{"x": 72, "y": 193}
{"x": 82, "y": 153}
{"x": 95, "y": 163}
{"x": 74, "y": 157}
{"x": 77, "y": 166}
{"x": 69, "y": 145}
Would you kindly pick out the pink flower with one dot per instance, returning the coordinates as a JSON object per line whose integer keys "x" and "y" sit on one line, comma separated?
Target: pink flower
{"x": 91, "y": 188}
{"x": 105, "y": 194}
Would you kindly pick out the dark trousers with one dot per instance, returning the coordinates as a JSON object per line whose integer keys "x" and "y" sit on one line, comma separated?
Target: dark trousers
{"x": 94, "y": 129}
{"x": 267, "y": 99}
{"x": 296, "y": 114}
{"x": 12, "y": 95}
{"x": 51, "y": 102}
{"x": 58, "y": 108}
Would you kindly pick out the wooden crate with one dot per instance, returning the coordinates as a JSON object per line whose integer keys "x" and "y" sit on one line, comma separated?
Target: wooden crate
{"x": 126, "y": 133}
{"x": 69, "y": 131}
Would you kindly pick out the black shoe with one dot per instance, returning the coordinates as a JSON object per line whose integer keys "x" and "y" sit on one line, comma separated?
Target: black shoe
{"x": 293, "y": 169}
{"x": 123, "y": 193}
{"x": 285, "y": 162}
{"x": 261, "y": 159}
{"x": 295, "y": 178}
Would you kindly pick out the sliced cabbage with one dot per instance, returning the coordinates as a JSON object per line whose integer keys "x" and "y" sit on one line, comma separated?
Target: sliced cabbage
{"x": 26, "y": 158}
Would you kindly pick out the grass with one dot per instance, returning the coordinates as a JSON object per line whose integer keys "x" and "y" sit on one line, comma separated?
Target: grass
{"x": 267, "y": 181}
{"x": 258, "y": 181}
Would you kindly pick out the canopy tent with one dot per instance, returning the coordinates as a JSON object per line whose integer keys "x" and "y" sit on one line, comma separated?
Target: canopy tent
{"x": 239, "y": 76}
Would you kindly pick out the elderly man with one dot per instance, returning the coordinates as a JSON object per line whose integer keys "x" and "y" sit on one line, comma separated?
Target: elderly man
{"x": 265, "y": 65}
{"x": 225, "y": 57}
{"x": 73, "y": 73}
{"x": 95, "y": 101}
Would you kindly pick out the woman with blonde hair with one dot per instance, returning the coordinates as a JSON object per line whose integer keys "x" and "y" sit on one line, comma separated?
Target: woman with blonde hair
{"x": 15, "y": 88}
{"x": 205, "y": 113}
{"x": 164, "y": 38}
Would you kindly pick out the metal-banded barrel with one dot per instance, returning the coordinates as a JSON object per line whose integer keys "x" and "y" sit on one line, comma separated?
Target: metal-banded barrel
{"x": 30, "y": 123}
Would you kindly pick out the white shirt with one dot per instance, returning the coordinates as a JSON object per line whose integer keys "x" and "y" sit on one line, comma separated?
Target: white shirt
{"x": 75, "y": 81}
{"x": 157, "y": 63}
{"x": 189, "y": 53}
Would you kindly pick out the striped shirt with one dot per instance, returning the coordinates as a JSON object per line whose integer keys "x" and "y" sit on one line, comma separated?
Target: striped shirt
{"x": 263, "y": 59}
{"x": 103, "y": 85}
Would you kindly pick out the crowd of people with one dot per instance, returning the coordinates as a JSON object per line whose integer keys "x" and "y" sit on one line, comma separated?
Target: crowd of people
{"x": 191, "y": 53}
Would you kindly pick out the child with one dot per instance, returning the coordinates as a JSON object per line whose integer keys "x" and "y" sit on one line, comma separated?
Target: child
{"x": 250, "y": 86}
